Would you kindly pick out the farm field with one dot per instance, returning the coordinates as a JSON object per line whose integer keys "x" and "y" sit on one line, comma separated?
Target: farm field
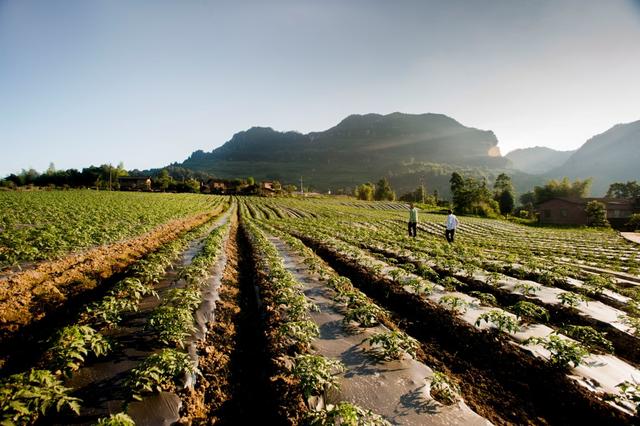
{"x": 163, "y": 308}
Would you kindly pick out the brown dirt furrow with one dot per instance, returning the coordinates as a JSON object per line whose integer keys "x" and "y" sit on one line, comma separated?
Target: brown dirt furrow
{"x": 214, "y": 387}
{"x": 234, "y": 387}
{"x": 28, "y": 296}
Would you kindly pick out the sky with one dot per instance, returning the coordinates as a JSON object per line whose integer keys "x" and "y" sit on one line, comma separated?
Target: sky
{"x": 148, "y": 82}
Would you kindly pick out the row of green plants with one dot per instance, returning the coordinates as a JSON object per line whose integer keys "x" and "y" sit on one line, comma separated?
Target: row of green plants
{"x": 386, "y": 345}
{"x": 498, "y": 318}
{"x": 564, "y": 352}
{"x": 40, "y": 225}
{"x": 465, "y": 263}
{"x": 174, "y": 324}
{"x": 72, "y": 346}
{"x": 293, "y": 332}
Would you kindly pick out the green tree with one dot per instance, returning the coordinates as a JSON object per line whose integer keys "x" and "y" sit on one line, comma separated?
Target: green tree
{"x": 631, "y": 189}
{"x": 563, "y": 188}
{"x": 164, "y": 179}
{"x": 597, "y": 213}
{"x": 503, "y": 183}
{"x": 251, "y": 180}
{"x": 506, "y": 202}
{"x": 364, "y": 192}
{"x": 383, "y": 191}
{"x": 472, "y": 196}
{"x": 504, "y": 194}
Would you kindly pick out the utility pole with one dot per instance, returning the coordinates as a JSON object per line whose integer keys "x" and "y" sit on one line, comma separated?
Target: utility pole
{"x": 422, "y": 189}
{"x": 110, "y": 168}
{"x": 301, "y": 187}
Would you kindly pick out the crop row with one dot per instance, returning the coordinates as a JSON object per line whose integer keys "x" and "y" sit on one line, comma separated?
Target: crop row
{"x": 43, "y": 225}
{"x": 84, "y": 340}
{"x": 561, "y": 350}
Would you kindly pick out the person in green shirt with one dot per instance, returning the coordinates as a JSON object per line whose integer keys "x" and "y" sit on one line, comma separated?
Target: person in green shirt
{"x": 413, "y": 220}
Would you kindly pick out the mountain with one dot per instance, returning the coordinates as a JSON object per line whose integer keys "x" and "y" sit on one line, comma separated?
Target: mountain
{"x": 360, "y": 148}
{"x": 612, "y": 156}
{"x": 537, "y": 160}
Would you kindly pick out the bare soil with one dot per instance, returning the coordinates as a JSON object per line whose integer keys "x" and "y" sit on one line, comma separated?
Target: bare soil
{"x": 234, "y": 388}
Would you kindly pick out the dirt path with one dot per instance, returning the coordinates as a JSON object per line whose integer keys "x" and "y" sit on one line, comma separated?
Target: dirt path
{"x": 234, "y": 388}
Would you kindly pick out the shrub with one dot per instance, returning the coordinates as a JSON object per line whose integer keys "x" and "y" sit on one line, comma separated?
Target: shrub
{"x": 27, "y": 396}
{"x": 530, "y": 311}
{"x": 159, "y": 371}
{"x": 316, "y": 373}
{"x": 591, "y": 338}
{"x": 345, "y": 414}
{"x": 74, "y": 343}
{"x": 393, "y": 344}
{"x": 634, "y": 222}
{"x": 563, "y": 352}
{"x": 443, "y": 389}
{"x": 502, "y": 321}
{"x": 454, "y": 304}
{"x": 119, "y": 419}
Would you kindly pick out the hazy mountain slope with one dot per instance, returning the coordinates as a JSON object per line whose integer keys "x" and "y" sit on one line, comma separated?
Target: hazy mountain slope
{"x": 537, "y": 160}
{"x": 359, "y": 148}
{"x": 613, "y": 156}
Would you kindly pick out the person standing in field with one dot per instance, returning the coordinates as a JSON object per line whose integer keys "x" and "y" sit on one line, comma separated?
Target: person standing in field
{"x": 451, "y": 224}
{"x": 413, "y": 220}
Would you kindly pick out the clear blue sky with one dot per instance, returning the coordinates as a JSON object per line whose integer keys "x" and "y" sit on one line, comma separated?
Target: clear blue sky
{"x": 148, "y": 82}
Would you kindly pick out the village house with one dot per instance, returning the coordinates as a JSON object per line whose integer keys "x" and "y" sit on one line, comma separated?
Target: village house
{"x": 571, "y": 211}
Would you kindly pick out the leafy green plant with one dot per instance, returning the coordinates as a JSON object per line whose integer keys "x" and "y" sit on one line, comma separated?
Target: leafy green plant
{"x": 397, "y": 274}
{"x": 563, "y": 352}
{"x": 159, "y": 371}
{"x": 527, "y": 289}
{"x": 493, "y": 278}
{"x": 111, "y": 308}
{"x": 486, "y": 299}
{"x": 443, "y": 389}
{"x": 345, "y": 413}
{"x": 529, "y": 311}
{"x": 188, "y": 298}
{"x": 570, "y": 299}
{"x": 119, "y": 419}
{"x": 630, "y": 391}
{"x": 27, "y": 396}
{"x": 134, "y": 288}
{"x": 451, "y": 283}
{"x": 173, "y": 325}
{"x": 588, "y": 336}
{"x": 595, "y": 284}
{"x": 74, "y": 343}
{"x": 502, "y": 321}
{"x": 420, "y": 286}
{"x": 299, "y": 331}
{"x": 393, "y": 344}
{"x": 427, "y": 273}
{"x": 316, "y": 373}
{"x": 454, "y": 303}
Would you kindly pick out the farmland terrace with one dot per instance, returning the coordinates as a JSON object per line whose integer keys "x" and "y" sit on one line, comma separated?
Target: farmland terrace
{"x": 162, "y": 308}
